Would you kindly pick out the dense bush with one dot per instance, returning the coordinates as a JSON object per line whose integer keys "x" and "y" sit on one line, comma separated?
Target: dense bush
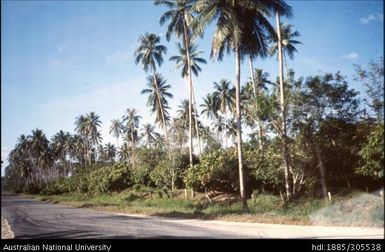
{"x": 171, "y": 171}
{"x": 109, "y": 178}
{"x": 147, "y": 160}
{"x": 372, "y": 154}
{"x": 105, "y": 179}
{"x": 264, "y": 167}
{"x": 217, "y": 170}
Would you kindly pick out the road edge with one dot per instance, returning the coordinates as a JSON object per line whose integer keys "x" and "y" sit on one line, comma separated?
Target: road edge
{"x": 6, "y": 231}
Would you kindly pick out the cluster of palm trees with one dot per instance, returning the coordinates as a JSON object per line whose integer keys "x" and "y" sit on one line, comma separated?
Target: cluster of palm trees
{"x": 242, "y": 28}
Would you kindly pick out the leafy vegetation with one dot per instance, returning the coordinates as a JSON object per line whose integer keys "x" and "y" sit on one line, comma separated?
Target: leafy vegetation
{"x": 307, "y": 136}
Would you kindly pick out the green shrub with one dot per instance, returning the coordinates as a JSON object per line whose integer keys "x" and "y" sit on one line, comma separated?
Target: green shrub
{"x": 169, "y": 171}
{"x": 109, "y": 178}
{"x": 264, "y": 166}
{"x": 217, "y": 170}
{"x": 147, "y": 160}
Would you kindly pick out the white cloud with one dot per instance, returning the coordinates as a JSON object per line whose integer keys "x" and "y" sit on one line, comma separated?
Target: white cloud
{"x": 351, "y": 56}
{"x": 118, "y": 57}
{"x": 372, "y": 17}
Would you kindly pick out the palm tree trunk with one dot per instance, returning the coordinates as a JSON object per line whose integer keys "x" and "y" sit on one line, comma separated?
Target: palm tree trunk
{"x": 252, "y": 75}
{"x": 133, "y": 148}
{"x": 224, "y": 134}
{"x": 239, "y": 126}
{"x": 163, "y": 118}
{"x": 186, "y": 41}
{"x": 255, "y": 89}
{"x": 321, "y": 168}
{"x": 285, "y": 155}
{"x": 165, "y": 129}
{"x": 196, "y": 123}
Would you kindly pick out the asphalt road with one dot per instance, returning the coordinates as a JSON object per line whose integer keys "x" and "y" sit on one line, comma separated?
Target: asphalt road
{"x": 31, "y": 219}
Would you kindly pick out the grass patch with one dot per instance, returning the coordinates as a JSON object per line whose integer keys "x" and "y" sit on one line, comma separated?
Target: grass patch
{"x": 355, "y": 209}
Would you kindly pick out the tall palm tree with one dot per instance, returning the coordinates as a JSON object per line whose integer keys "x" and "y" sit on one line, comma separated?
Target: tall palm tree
{"x": 210, "y": 107}
{"x": 110, "y": 152}
{"x": 158, "y": 93}
{"x": 224, "y": 97}
{"x": 285, "y": 151}
{"x": 236, "y": 22}
{"x": 150, "y": 52}
{"x": 182, "y": 61}
{"x": 178, "y": 132}
{"x": 94, "y": 135}
{"x": 40, "y": 153}
{"x": 82, "y": 130}
{"x": 59, "y": 151}
{"x": 149, "y": 134}
{"x": 288, "y": 42}
{"x": 231, "y": 126}
{"x": 252, "y": 99}
{"x": 116, "y": 129}
{"x": 101, "y": 153}
{"x": 181, "y": 18}
{"x": 131, "y": 125}
{"x": 124, "y": 152}
{"x": 88, "y": 128}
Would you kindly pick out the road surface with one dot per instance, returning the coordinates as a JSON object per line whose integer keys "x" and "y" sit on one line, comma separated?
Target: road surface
{"x": 31, "y": 219}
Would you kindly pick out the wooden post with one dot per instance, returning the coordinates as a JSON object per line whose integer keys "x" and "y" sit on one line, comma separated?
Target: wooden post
{"x": 192, "y": 193}
{"x": 330, "y": 196}
{"x": 382, "y": 196}
{"x": 185, "y": 193}
{"x": 207, "y": 196}
{"x": 282, "y": 197}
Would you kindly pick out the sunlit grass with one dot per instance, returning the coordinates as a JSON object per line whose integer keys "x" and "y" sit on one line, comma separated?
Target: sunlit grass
{"x": 345, "y": 210}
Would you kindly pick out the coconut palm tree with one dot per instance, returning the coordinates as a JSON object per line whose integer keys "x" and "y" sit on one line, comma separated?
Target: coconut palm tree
{"x": 116, "y": 129}
{"x": 88, "y": 128}
{"x": 93, "y": 123}
{"x": 110, "y": 152}
{"x": 251, "y": 94}
{"x": 158, "y": 93}
{"x": 236, "y": 22}
{"x": 94, "y": 136}
{"x": 224, "y": 96}
{"x": 182, "y": 61}
{"x": 39, "y": 152}
{"x": 150, "y": 52}
{"x": 181, "y": 18}
{"x": 288, "y": 42}
{"x": 124, "y": 152}
{"x": 285, "y": 151}
{"x": 59, "y": 151}
{"x": 101, "y": 151}
{"x": 148, "y": 133}
{"x": 82, "y": 130}
{"x": 210, "y": 107}
{"x": 178, "y": 132}
{"x": 131, "y": 125}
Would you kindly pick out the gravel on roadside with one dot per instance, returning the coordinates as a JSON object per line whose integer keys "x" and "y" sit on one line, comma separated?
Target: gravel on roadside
{"x": 6, "y": 232}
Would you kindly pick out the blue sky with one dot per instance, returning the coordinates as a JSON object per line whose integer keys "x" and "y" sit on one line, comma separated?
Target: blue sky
{"x": 61, "y": 59}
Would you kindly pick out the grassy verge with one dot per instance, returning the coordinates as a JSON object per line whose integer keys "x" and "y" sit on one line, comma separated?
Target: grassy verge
{"x": 354, "y": 209}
